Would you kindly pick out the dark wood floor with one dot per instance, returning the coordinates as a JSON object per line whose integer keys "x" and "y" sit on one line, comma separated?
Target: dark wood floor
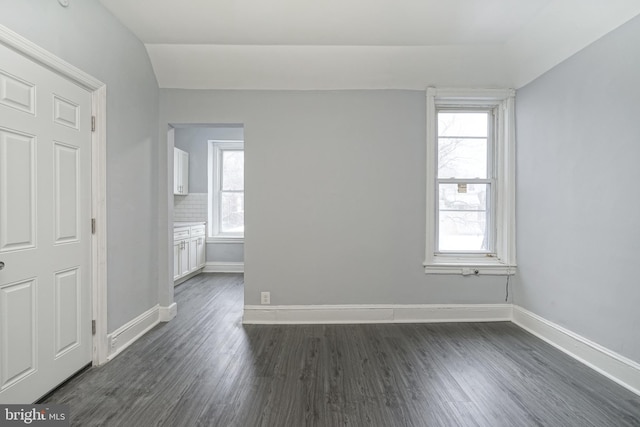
{"x": 206, "y": 369}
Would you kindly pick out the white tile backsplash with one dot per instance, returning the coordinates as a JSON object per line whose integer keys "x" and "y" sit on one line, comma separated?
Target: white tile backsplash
{"x": 192, "y": 207}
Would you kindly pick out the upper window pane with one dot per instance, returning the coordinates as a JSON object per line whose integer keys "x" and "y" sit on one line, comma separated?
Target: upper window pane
{"x": 463, "y": 124}
{"x": 232, "y": 170}
{"x": 462, "y": 158}
{"x": 462, "y": 144}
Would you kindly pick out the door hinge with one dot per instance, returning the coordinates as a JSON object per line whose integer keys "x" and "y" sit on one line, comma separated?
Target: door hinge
{"x": 93, "y": 327}
{"x": 93, "y": 226}
{"x": 93, "y": 123}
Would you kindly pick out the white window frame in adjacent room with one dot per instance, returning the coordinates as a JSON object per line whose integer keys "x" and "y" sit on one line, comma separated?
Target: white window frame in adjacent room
{"x": 501, "y": 259}
{"x": 216, "y": 149}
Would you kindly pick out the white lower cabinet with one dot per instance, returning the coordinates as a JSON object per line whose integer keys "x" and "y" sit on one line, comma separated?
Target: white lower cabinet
{"x": 193, "y": 249}
{"x": 189, "y": 250}
{"x": 197, "y": 248}
{"x": 177, "y": 249}
{"x": 201, "y": 254}
{"x": 184, "y": 259}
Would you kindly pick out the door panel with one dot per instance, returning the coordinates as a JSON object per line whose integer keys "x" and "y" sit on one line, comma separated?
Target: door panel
{"x": 67, "y": 310}
{"x": 17, "y": 332}
{"x": 45, "y": 228}
{"x": 65, "y": 112}
{"x": 17, "y": 191}
{"x": 17, "y": 93}
{"x": 66, "y": 192}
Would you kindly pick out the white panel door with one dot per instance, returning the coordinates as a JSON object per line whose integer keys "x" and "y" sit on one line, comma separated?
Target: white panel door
{"x": 45, "y": 242}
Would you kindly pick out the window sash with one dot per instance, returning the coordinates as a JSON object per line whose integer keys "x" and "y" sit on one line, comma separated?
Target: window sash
{"x": 489, "y": 220}
{"x": 490, "y": 231}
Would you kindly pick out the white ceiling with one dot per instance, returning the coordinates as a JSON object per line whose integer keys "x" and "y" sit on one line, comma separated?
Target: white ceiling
{"x": 325, "y": 22}
{"x": 363, "y": 44}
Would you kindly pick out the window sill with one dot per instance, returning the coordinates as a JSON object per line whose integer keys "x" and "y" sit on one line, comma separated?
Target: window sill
{"x": 225, "y": 239}
{"x": 470, "y": 268}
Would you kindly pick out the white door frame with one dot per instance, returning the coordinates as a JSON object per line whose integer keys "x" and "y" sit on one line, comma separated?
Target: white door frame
{"x": 98, "y": 176}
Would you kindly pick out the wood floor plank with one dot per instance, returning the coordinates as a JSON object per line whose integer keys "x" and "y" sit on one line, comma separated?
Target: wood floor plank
{"x": 206, "y": 369}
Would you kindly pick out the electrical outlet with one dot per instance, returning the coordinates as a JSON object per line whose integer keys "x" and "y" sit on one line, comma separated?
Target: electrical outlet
{"x": 114, "y": 342}
{"x": 265, "y": 298}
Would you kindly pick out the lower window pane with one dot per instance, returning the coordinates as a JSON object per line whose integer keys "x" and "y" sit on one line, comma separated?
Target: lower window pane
{"x": 461, "y": 231}
{"x": 232, "y": 213}
{"x": 463, "y": 197}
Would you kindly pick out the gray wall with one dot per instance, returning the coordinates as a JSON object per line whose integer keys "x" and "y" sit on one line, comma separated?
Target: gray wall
{"x": 89, "y": 37}
{"x": 225, "y": 252}
{"x": 578, "y": 206}
{"x": 335, "y": 195}
{"x": 193, "y": 140}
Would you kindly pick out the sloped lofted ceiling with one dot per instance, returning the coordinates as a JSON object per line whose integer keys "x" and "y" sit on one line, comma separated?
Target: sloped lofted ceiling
{"x": 363, "y": 44}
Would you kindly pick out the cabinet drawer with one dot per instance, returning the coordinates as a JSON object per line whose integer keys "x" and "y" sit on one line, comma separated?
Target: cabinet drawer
{"x": 197, "y": 230}
{"x": 180, "y": 233}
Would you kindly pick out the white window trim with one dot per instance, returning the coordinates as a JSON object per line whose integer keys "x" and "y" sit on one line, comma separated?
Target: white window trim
{"x": 214, "y": 159}
{"x": 504, "y": 263}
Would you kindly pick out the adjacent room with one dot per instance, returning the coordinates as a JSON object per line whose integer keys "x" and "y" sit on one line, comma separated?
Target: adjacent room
{"x": 338, "y": 213}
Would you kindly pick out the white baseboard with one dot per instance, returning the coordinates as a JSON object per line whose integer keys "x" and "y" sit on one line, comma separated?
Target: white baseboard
{"x": 382, "y": 313}
{"x": 618, "y": 368}
{"x": 224, "y": 267}
{"x": 128, "y": 333}
{"x": 165, "y": 314}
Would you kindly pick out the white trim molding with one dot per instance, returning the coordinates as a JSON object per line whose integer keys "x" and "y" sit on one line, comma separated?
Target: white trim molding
{"x": 476, "y": 270}
{"x": 224, "y": 267}
{"x": 166, "y": 314}
{"x": 98, "y": 173}
{"x": 378, "y": 313}
{"x": 502, "y": 259}
{"x": 131, "y": 331}
{"x": 99, "y": 208}
{"x": 612, "y": 365}
{"x": 35, "y": 52}
{"x": 226, "y": 239}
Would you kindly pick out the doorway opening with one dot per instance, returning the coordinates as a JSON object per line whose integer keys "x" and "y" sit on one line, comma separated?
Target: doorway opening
{"x": 208, "y": 199}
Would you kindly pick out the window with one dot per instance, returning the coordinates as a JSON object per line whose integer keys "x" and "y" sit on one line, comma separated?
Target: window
{"x": 226, "y": 191}
{"x": 470, "y": 182}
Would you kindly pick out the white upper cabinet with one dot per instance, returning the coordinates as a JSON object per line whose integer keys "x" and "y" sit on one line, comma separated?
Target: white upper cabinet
{"x": 180, "y": 172}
